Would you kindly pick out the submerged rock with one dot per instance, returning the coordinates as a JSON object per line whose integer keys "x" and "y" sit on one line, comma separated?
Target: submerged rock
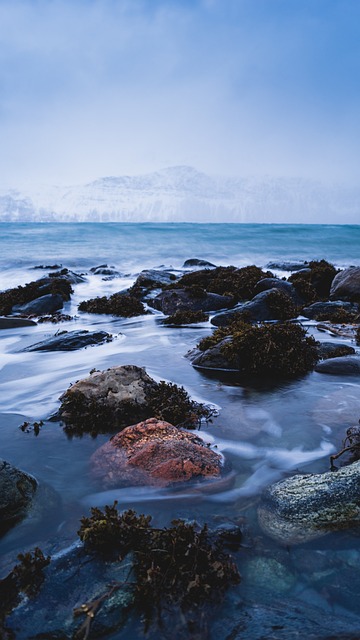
{"x": 17, "y": 490}
{"x": 154, "y": 452}
{"x": 71, "y": 340}
{"x": 308, "y": 506}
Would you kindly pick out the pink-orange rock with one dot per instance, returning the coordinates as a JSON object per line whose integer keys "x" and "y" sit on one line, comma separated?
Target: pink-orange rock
{"x": 154, "y": 452}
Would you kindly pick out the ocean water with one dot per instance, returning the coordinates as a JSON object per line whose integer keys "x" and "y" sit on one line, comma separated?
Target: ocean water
{"x": 264, "y": 433}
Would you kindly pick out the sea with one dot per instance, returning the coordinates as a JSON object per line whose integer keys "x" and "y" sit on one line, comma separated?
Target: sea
{"x": 264, "y": 432}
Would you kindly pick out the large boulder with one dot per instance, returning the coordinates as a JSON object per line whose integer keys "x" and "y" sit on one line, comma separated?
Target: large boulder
{"x": 112, "y": 398}
{"x": 328, "y": 310}
{"x": 180, "y": 299}
{"x": 154, "y": 452}
{"x": 71, "y": 340}
{"x": 17, "y": 490}
{"x": 346, "y": 285}
{"x": 343, "y": 366}
{"x": 305, "y": 507}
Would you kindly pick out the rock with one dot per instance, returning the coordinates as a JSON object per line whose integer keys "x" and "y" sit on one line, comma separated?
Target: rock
{"x": 334, "y": 350}
{"x": 211, "y": 358}
{"x": 272, "y": 304}
{"x": 171, "y": 301}
{"x": 225, "y": 317}
{"x": 287, "y": 265}
{"x": 45, "y": 304}
{"x": 115, "y": 397}
{"x": 13, "y": 323}
{"x": 346, "y": 285}
{"x": 328, "y": 309}
{"x": 17, "y": 490}
{"x": 196, "y": 262}
{"x": 48, "y": 266}
{"x": 154, "y": 452}
{"x": 71, "y": 340}
{"x": 105, "y": 270}
{"x": 150, "y": 279}
{"x": 342, "y": 366}
{"x": 65, "y": 274}
{"x": 308, "y": 506}
{"x": 282, "y": 285}
{"x": 268, "y": 573}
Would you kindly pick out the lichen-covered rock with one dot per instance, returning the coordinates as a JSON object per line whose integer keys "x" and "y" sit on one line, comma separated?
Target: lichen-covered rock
{"x": 346, "y": 285}
{"x": 308, "y": 506}
{"x": 342, "y": 366}
{"x": 107, "y": 400}
{"x": 154, "y": 452}
{"x": 17, "y": 490}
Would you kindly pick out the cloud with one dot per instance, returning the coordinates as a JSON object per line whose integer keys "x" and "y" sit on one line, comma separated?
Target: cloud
{"x": 238, "y": 86}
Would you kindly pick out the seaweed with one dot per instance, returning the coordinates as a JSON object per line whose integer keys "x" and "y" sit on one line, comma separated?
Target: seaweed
{"x": 181, "y": 566}
{"x": 169, "y": 402}
{"x": 280, "y": 305}
{"x": 338, "y": 316}
{"x": 314, "y": 283}
{"x": 118, "y": 304}
{"x": 22, "y": 294}
{"x": 238, "y": 283}
{"x": 357, "y": 336}
{"x": 25, "y": 578}
{"x": 185, "y": 316}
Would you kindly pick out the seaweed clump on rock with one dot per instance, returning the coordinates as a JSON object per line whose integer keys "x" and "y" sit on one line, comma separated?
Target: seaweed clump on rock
{"x": 282, "y": 350}
{"x": 185, "y": 316}
{"x": 238, "y": 283}
{"x": 118, "y": 304}
{"x": 21, "y": 295}
{"x": 314, "y": 282}
{"x": 179, "y": 566}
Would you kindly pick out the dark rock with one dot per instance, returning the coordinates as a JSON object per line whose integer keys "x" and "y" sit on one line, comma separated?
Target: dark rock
{"x": 196, "y": 262}
{"x": 226, "y": 281}
{"x": 212, "y": 358}
{"x": 305, "y": 507}
{"x": 151, "y": 279}
{"x": 328, "y": 309}
{"x": 19, "y": 296}
{"x": 71, "y": 340}
{"x": 40, "y": 306}
{"x": 105, "y": 270}
{"x": 346, "y": 285}
{"x": 119, "y": 304}
{"x": 276, "y": 283}
{"x": 154, "y": 452}
{"x": 226, "y": 317}
{"x": 272, "y": 304}
{"x": 180, "y": 299}
{"x": 17, "y": 490}
{"x": 334, "y": 350}
{"x": 13, "y": 323}
{"x": 342, "y": 366}
{"x": 287, "y": 265}
{"x": 48, "y": 266}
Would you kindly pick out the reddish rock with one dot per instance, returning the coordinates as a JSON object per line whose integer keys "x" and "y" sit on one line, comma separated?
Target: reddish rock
{"x": 154, "y": 452}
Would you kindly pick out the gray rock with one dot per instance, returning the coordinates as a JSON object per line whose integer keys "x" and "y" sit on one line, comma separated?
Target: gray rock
{"x": 154, "y": 279}
{"x": 8, "y": 322}
{"x": 40, "y": 306}
{"x": 105, "y": 270}
{"x": 342, "y": 366}
{"x": 287, "y": 265}
{"x": 308, "y": 506}
{"x": 334, "y": 350}
{"x": 211, "y": 358}
{"x": 346, "y": 285}
{"x": 328, "y": 308}
{"x": 180, "y": 299}
{"x": 71, "y": 340}
{"x": 224, "y": 318}
{"x": 17, "y": 490}
{"x": 258, "y": 309}
{"x": 276, "y": 283}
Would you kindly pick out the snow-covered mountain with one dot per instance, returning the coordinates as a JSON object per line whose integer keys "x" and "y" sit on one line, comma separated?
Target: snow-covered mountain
{"x": 183, "y": 194}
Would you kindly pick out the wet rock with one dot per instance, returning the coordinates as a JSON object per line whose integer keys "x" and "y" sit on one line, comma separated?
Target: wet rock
{"x": 334, "y": 350}
{"x": 226, "y": 317}
{"x": 71, "y": 340}
{"x": 287, "y": 265}
{"x": 17, "y": 490}
{"x": 180, "y": 299}
{"x": 268, "y": 573}
{"x": 305, "y": 507}
{"x": 212, "y": 358}
{"x": 342, "y": 366}
{"x": 154, "y": 452}
{"x": 19, "y": 296}
{"x": 68, "y": 276}
{"x": 282, "y": 285}
{"x": 328, "y": 310}
{"x": 196, "y": 262}
{"x": 41, "y": 306}
{"x": 48, "y": 266}
{"x": 272, "y": 304}
{"x": 154, "y": 279}
{"x": 7, "y": 322}
{"x": 346, "y": 285}
{"x": 116, "y": 397}
{"x": 119, "y": 304}
{"x": 105, "y": 270}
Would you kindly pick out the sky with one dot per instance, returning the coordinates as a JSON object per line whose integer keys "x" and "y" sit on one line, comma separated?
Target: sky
{"x": 93, "y": 88}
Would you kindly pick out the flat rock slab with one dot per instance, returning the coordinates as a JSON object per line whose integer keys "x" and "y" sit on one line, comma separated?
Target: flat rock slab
{"x": 342, "y": 366}
{"x": 71, "y": 340}
{"x": 305, "y": 507}
{"x": 154, "y": 452}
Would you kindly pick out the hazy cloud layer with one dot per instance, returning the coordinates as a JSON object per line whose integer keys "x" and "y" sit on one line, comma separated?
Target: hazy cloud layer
{"x": 239, "y": 87}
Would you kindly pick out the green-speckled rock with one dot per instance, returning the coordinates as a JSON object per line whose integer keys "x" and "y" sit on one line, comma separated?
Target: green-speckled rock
{"x": 268, "y": 573}
{"x": 308, "y": 506}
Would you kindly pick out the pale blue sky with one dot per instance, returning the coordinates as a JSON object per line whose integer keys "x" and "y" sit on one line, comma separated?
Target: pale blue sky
{"x": 91, "y": 88}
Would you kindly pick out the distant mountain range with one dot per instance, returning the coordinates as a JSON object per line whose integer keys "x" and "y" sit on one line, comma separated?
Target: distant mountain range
{"x": 183, "y": 194}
